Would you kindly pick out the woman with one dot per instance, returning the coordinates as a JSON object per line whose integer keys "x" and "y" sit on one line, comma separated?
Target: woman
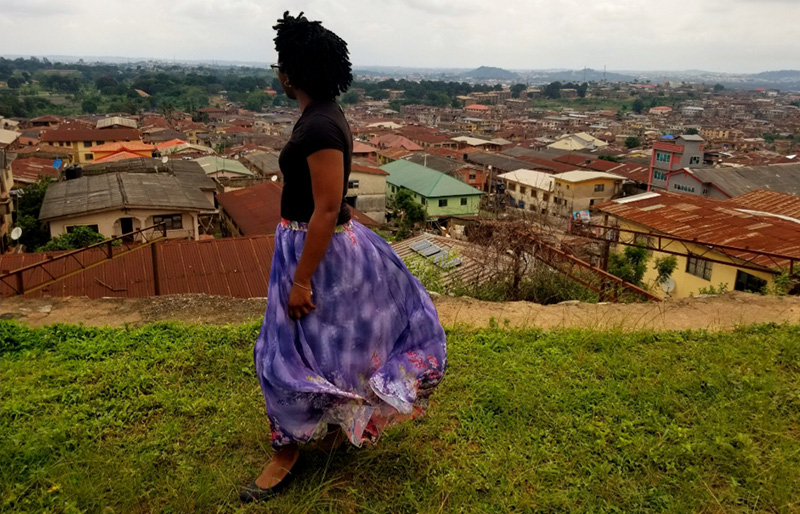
{"x": 350, "y": 342}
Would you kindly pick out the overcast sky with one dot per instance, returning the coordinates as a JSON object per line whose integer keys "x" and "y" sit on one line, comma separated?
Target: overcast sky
{"x": 714, "y": 35}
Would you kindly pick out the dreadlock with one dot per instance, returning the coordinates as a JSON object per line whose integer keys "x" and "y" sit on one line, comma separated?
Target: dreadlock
{"x": 315, "y": 59}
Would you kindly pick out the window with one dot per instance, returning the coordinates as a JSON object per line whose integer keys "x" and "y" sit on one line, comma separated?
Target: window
{"x": 591, "y": 202}
{"x": 71, "y": 228}
{"x": 599, "y": 187}
{"x": 473, "y": 176}
{"x": 521, "y": 204}
{"x": 522, "y": 190}
{"x": 698, "y": 267}
{"x": 394, "y": 189}
{"x": 694, "y": 160}
{"x": 443, "y": 202}
{"x": 87, "y": 144}
{"x": 659, "y": 175}
{"x": 567, "y": 186}
{"x": 748, "y": 282}
{"x": 662, "y": 157}
{"x": 353, "y": 184}
{"x": 172, "y": 221}
{"x": 88, "y": 157}
{"x": 534, "y": 194}
{"x": 512, "y": 187}
{"x": 545, "y": 197}
{"x": 101, "y": 143}
{"x": 68, "y": 143}
{"x": 463, "y": 201}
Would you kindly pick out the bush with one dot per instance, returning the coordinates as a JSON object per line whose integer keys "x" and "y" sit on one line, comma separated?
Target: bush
{"x": 79, "y": 238}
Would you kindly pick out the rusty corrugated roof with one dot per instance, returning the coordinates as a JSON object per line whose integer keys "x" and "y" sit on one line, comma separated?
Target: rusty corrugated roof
{"x": 237, "y": 267}
{"x": 706, "y": 220}
{"x": 769, "y": 201}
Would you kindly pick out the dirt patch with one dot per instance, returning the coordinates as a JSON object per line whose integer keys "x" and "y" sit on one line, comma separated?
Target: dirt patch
{"x": 709, "y": 312}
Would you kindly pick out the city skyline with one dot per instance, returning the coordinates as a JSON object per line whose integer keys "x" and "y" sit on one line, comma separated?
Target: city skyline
{"x": 736, "y": 36}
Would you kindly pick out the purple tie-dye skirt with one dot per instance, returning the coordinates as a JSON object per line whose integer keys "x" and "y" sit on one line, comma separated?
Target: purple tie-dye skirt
{"x": 367, "y": 357}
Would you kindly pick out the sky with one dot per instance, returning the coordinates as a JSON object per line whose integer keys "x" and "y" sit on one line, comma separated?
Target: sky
{"x": 734, "y": 36}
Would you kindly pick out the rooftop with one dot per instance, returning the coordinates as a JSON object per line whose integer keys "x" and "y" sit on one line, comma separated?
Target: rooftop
{"x": 425, "y": 181}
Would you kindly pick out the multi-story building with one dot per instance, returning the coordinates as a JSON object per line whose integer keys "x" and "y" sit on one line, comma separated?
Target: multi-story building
{"x": 81, "y": 141}
{"x": 674, "y": 154}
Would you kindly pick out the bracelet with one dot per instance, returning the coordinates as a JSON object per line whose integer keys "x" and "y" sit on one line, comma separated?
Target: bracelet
{"x": 303, "y": 287}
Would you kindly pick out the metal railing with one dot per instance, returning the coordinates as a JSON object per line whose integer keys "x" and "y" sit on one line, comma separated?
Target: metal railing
{"x": 19, "y": 279}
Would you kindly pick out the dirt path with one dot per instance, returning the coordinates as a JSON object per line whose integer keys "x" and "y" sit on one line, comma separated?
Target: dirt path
{"x": 710, "y": 312}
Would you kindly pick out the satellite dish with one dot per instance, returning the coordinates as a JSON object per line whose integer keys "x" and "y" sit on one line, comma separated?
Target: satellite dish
{"x": 165, "y": 159}
{"x": 274, "y": 178}
{"x": 16, "y": 233}
{"x": 668, "y": 285}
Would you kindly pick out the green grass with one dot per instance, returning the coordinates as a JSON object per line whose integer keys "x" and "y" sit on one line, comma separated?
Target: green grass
{"x": 169, "y": 418}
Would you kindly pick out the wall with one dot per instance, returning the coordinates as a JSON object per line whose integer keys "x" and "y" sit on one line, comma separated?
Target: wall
{"x": 579, "y": 196}
{"x": 109, "y": 224}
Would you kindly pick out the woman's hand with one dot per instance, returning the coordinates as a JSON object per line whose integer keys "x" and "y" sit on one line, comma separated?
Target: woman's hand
{"x": 300, "y": 302}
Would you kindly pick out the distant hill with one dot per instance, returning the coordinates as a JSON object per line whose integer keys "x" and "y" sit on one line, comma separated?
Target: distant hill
{"x": 490, "y": 73}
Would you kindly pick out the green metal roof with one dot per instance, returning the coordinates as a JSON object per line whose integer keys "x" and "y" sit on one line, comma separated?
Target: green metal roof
{"x": 425, "y": 181}
{"x": 215, "y": 164}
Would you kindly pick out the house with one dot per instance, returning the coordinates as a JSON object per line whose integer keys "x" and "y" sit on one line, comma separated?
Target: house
{"x": 671, "y": 154}
{"x": 470, "y": 174}
{"x": 580, "y": 190}
{"x": 8, "y": 138}
{"x": 263, "y": 163}
{"x": 256, "y": 210}
{"x": 730, "y": 182}
{"x": 28, "y": 170}
{"x": 119, "y": 151}
{"x": 529, "y": 190}
{"x": 495, "y": 144}
{"x": 366, "y": 191}
{"x": 702, "y": 223}
{"x": 81, "y": 141}
{"x": 578, "y": 142}
{"x": 116, "y": 122}
{"x": 219, "y": 167}
{"x": 439, "y": 194}
{"x": 120, "y": 197}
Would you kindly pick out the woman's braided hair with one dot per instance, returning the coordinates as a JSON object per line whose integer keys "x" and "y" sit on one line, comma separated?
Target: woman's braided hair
{"x": 315, "y": 59}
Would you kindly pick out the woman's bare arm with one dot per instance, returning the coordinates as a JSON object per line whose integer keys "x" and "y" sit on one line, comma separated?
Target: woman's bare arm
{"x": 327, "y": 178}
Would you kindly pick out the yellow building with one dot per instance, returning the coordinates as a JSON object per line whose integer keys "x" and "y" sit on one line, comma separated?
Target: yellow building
{"x": 81, "y": 141}
{"x": 726, "y": 227}
{"x": 579, "y": 190}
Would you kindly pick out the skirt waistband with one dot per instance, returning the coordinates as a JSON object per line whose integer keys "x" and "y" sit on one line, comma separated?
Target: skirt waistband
{"x": 303, "y": 226}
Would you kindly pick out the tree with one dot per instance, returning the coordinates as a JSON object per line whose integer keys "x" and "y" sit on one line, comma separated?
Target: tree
{"x": 80, "y": 237}
{"x": 553, "y": 90}
{"x": 718, "y": 88}
{"x": 15, "y": 82}
{"x": 350, "y": 98}
{"x": 630, "y": 265}
{"x": 632, "y": 142}
{"x": 691, "y": 132}
{"x": 408, "y": 211}
{"x": 380, "y": 94}
{"x": 638, "y": 106}
{"x": 610, "y": 158}
{"x": 517, "y": 89}
{"x": 28, "y": 207}
{"x": 90, "y": 105}
{"x": 582, "y": 90}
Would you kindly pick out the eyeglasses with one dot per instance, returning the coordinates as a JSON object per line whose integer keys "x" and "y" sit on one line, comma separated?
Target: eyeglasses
{"x": 275, "y": 67}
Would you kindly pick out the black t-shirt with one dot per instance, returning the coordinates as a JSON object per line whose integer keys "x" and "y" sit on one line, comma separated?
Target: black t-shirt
{"x": 321, "y": 126}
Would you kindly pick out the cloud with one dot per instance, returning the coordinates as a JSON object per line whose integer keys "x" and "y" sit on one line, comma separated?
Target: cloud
{"x": 720, "y": 35}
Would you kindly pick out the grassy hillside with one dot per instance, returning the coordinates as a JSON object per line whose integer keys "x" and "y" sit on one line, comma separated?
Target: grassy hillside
{"x": 169, "y": 418}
